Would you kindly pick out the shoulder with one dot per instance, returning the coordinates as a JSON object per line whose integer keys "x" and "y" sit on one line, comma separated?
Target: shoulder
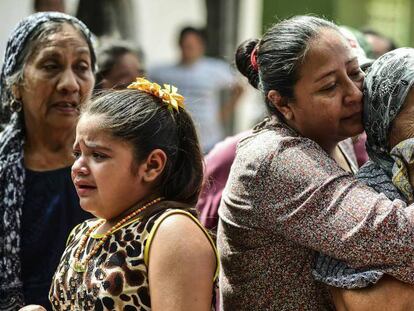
{"x": 178, "y": 234}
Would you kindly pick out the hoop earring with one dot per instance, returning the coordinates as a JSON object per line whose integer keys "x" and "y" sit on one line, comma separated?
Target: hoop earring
{"x": 15, "y": 106}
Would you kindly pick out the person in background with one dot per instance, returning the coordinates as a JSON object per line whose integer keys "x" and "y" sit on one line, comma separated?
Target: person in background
{"x": 47, "y": 75}
{"x": 49, "y": 5}
{"x": 139, "y": 170}
{"x": 291, "y": 191}
{"x": 202, "y": 80}
{"x": 379, "y": 43}
{"x": 119, "y": 63}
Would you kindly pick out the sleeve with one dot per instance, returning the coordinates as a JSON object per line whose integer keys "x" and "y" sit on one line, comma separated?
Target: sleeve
{"x": 314, "y": 203}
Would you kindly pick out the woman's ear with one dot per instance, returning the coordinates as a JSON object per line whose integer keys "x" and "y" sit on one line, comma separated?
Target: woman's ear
{"x": 153, "y": 166}
{"x": 282, "y": 104}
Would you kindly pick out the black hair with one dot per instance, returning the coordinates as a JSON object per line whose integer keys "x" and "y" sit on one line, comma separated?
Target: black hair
{"x": 279, "y": 55}
{"x": 108, "y": 56}
{"x": 192, "y": 30}
{"x": 144, "y": 121}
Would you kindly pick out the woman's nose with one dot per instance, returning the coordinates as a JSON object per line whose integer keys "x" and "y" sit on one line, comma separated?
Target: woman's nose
{"x": 68, "y": 82}
{"x": 354, "y": 93}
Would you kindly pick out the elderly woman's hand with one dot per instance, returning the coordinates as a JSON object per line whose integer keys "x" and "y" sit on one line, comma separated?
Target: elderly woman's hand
{"x": 32, "y": 308}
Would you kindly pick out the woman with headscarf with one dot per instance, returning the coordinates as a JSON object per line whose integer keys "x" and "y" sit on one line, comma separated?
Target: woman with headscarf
{"x": 47, "y": 74}
{"x": 389, "y": 124}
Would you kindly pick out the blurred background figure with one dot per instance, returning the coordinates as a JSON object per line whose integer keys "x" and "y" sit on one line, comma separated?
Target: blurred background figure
{"x": 46, "y": 76}
{"x": 49, "y": 5}
{"x": 201, "y": 80}
{"x": 379, "y": 43}
{"x": 119, "y": 63}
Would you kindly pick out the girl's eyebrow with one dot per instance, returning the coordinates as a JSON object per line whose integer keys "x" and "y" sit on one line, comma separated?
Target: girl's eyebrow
{"x": 91, "y": 144}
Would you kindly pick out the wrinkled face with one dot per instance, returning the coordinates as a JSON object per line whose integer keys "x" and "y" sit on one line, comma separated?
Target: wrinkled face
{"x": 57, "y": 79}
{"x": 402, "y": 127}
{"x": 328, "y": 100}
{"x": 125, "y": 71}
{"x": 106, "y": 177}
{"x": 192, "y": 47}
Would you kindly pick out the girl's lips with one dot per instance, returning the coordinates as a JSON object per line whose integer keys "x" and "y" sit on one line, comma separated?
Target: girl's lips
{"x": 84, "y": 188}
{"x": 84, "y": 191}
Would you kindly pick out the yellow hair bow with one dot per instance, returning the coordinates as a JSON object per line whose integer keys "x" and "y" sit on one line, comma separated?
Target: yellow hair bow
{"x": 168, "y": 94}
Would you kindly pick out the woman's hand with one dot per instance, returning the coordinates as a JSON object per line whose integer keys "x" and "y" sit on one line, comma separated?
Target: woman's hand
{"x": 33, "y": 308}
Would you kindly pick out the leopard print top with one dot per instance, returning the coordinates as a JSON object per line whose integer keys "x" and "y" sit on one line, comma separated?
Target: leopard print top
{"x": 116, "y": 277}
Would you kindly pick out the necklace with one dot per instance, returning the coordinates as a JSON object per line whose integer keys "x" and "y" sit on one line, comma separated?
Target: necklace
{"x": 80, "y": 265}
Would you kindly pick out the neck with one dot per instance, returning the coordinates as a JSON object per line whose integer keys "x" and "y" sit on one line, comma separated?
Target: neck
{"x": 47, "y": 149}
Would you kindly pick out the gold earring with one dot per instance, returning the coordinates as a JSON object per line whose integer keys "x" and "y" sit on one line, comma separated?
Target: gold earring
{"x": 16, "y": 105}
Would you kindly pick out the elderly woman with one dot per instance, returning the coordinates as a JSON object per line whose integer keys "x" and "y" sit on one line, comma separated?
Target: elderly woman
{"x": 389, "y": 124}
{"x": 47, "y": 74}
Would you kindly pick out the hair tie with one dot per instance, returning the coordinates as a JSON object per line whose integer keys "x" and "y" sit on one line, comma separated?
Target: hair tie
{"x": 253, "y": 58}
{"x": 168, "y": 94}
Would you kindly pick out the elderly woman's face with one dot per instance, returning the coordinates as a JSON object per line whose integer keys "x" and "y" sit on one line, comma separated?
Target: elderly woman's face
{"x": 402, "y": 127}
{"x": 57, "y": 79}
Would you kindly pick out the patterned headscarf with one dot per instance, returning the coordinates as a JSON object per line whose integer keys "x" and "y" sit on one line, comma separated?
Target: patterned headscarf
{"x": 12, "y": 172}
{"x": 18, "y": 40}
{"x": 387, "y": 83}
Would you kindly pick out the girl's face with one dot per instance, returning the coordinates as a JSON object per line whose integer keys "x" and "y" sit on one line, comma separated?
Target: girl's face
{"x": 56, "y": 80}
{"x": 107, "y": 178}
{"x": 327, "y": 107}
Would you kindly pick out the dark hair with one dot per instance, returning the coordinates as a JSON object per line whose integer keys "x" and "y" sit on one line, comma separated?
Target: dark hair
{"x": 192, "y": 30}
{"x": 279, "y": 55}
{"x": 109, "y": 55}
{"x": 146, "y": 123}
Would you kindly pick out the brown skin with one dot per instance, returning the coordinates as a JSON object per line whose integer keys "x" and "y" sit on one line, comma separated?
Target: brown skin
{"x": 403, "y": 128}
{"x": 58, "y": 78}
{"x": 327, "y": 104}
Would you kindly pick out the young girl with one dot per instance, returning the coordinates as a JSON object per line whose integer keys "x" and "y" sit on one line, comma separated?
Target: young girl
{"x": 138, "y": 169}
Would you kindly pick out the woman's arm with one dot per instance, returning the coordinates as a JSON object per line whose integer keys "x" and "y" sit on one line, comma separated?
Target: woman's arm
{"x": 292, "y": 188}
{"x": 181, "y": 266}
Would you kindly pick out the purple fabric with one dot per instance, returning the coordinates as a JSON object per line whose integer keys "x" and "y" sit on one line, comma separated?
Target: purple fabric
{"x": 217, "y": 168}
{"x": 360, "y": 150}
